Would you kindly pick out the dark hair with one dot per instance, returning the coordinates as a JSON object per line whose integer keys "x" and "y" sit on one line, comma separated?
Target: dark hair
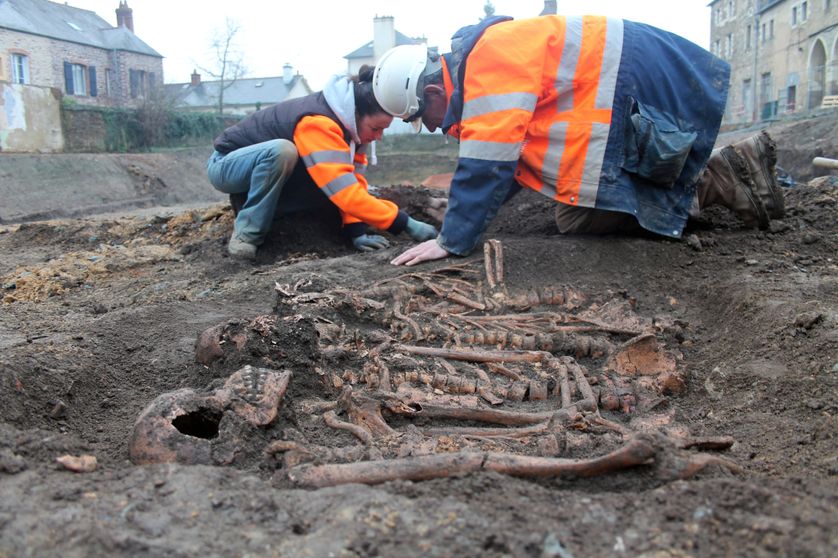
{"x": 365, "y": 103}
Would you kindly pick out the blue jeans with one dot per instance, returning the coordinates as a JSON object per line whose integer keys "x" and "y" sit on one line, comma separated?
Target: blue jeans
{"x": 260, "y": 170}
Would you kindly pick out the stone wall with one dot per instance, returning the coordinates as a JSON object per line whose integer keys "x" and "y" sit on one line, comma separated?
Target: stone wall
{"x": 84, "y": 131}
{"x": 30, "y": 119}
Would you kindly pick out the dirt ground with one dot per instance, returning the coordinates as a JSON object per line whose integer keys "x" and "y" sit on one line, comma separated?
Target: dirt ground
{"x": 101, "y": 315}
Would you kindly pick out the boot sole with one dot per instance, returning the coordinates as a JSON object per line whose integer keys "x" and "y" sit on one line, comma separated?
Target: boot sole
{"x": 740, "y": 167}
{"x": 765, "y": 149}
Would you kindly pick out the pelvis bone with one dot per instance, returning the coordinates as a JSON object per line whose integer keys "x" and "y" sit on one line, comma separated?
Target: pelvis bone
{"x": 183, "y": 426}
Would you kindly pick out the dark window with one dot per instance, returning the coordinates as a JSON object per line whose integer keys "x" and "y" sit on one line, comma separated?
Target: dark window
{"x": 137, "y": 80}
{"x": 94, "y": 89}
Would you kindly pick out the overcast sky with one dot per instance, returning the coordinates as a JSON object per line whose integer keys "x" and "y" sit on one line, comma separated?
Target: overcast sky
{"x": 314, "y": 35}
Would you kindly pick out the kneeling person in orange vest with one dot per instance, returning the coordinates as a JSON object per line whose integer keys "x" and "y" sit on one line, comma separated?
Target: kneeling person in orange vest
{"x": 298, "y": 153}
{"x": 615, "y": 120}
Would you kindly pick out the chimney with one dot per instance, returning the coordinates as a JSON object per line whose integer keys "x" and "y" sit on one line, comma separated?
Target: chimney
{"x": 124, "y": 16}
{"x": 287, "y": 75}
{"x": 550, "y": 8}
{"x": 196, "y": 79}
{"x": 384, "y": 35}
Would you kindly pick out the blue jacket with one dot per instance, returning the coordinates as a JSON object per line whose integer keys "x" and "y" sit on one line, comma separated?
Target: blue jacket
{"x": 666, "y": 97}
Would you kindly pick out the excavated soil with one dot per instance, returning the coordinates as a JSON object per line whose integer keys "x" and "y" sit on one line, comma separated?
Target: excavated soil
{"x": 100, "y": 316}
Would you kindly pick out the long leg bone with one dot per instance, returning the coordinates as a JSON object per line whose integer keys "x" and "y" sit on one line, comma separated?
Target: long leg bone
{"x": 636, "y": 452}
{"x": 521, "y": 432}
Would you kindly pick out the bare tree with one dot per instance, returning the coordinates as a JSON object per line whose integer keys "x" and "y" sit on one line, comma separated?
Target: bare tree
{"x": 488, "y": 9}
{"x": 152, "y": 115}
{"x": 228, "y": 65}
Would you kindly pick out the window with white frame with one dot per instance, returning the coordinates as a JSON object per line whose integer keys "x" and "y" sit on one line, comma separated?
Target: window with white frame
{"x": 20, "y": 68}
{"x": 729, "y": 46}
{"x": 827, "y": 5}
{"x": 748, "y": 33}
{"x": 79, "y": 79}
{"x": 804, "y": 11}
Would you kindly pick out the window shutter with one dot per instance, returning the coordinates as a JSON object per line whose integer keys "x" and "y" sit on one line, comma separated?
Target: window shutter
{"x": 68, "y": 78}
{"x": 93, "y": 89}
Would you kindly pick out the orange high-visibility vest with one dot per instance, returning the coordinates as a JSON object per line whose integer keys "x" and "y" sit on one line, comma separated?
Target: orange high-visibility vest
{"x": 589, "y": 111}
{"x": 339, "y": 173}
{"x": 544, "y": 107}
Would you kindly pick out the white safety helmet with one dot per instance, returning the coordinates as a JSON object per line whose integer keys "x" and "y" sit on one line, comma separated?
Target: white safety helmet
{"x": 396, "y": 82}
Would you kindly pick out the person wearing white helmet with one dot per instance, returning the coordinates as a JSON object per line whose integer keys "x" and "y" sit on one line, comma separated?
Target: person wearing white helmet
{"x": 399, "y": 96}
{"x": 302, "y": 154}
{"x": 615, "y": 120}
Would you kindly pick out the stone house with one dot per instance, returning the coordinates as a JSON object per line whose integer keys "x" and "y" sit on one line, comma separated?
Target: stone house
{"x": 385, "y": 37}
{"x": 241, "y": 97}
{"x": 783, "y": 55}
{"x": 48, "y": 44}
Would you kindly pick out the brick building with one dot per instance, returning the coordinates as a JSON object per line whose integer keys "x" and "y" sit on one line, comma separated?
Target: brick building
{"x": 783, "y": 55}
{"x": 48, "y": 44}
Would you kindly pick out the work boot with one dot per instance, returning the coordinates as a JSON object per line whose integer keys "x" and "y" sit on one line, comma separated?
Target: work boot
{"x": 760, "y": 153}
{"x": 239, "y": 248}
{"x": 727, "y": 181}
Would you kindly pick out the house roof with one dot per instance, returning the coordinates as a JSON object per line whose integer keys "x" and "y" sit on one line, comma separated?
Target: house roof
{"x": 244, "y": 91}
{"x": 366, "y": 51}
{"x": 764, "y": 5}
{"x": 66, "y": 23}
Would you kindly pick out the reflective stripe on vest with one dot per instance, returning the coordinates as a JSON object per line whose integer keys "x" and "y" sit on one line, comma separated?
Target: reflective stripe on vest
{"x": 495, "y": 151}
{"x": 317, "y": 157}
{"x": 332, "y": 156}
{"x": 578, "y": 137}
{"x": 494, "y": 103}
{"x": 490, "y": 150}
{"x": 339, "y": 183}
